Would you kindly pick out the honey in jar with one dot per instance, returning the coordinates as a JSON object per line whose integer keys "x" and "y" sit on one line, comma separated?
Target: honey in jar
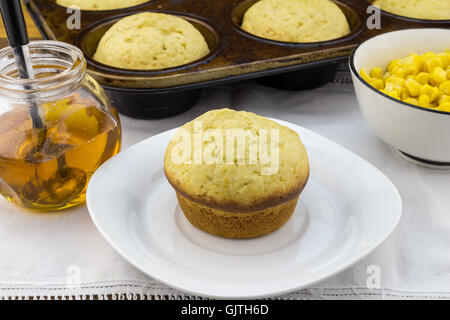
{"x": 48, "y": 167}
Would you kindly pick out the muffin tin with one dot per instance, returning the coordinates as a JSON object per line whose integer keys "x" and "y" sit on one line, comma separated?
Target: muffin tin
{"x": 235, "y": 54}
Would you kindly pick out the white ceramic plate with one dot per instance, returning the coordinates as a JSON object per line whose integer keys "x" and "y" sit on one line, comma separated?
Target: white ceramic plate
{"x": 347, "y": 209}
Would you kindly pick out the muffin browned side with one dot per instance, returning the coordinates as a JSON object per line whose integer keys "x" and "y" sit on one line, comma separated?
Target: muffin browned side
{"x": 239, "y": 199}
{"x": 237, "y": 225}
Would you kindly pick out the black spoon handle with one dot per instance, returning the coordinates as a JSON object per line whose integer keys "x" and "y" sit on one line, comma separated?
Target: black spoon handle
{"x": 16, "y": 30}
{"x": 14, "y": 22}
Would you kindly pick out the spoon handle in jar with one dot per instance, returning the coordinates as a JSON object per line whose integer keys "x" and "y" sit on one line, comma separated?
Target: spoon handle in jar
{"x": 14, "y": 22}
{"x": 16, "y": 29}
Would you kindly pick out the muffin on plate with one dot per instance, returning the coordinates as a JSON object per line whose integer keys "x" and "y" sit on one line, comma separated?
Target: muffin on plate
{"x": 150, "y": 41}
{"x": 100, "y": 4}
{"x": 296, "y": 20}
{"x": 236, "y": 174}
{"x": 419, "y": 9}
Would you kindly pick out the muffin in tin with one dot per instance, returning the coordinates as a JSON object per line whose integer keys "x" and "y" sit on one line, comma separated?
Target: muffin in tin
{"x": 233, "y": 196}
{"x": 300, "y": 21}
{"x": 100, "y": 4}
{"x": 419, "y": 9}
{"x": 151, "y": 41}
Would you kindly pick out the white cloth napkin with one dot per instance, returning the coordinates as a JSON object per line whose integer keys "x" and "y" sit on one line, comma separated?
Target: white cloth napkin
{"x": 62, "y": 254}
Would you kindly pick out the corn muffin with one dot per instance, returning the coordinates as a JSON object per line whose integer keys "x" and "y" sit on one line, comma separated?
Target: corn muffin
{"x": 296, "y": 20}
{"x": 100, "y": 4}
{"x": 420, "y": 9}
{"x": 148, "y": 41}
{"x": 242, "y": 187}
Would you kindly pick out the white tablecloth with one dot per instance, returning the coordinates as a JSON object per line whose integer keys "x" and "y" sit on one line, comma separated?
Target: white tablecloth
{"x": 62, "y": 254}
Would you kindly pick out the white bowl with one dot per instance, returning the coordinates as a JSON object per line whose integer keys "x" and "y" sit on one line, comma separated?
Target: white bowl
{"x": 421, "y": 133}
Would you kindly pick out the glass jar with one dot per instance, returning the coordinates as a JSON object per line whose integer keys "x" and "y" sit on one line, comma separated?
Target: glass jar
{"x": 55, "y": 129}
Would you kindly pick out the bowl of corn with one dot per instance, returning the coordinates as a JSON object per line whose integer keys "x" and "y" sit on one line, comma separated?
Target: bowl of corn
{"x": 402, "y": 83}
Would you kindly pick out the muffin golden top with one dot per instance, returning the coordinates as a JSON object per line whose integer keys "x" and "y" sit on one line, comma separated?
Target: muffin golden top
{"x": 420, "y": 9}
{"x": 296, "y": 20}
{"x": 148, "y": 41}
{"x": 100, "y": 4}
{"x": 236, "y": 161}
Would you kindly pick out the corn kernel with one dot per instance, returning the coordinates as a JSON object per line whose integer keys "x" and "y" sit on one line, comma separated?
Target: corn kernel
{"x": 411, "y": 101}
{"x": 429, "y": 55}
{"x": 424, "y": 101}
{"x": 389, "y": 86}
{"x": 419, "y": 60}
{"x": 431, "y": 92}
{"x": 393, "y": 93}
{"x": 405, "y": 94}
{"x": 389, "y": 79}
{"x": 406, "y": 60}
{"x": 434, "y": 94}
{"x": 411, "y": 70}
{"x": 365, "y": 76}
{"x": 443, "y": 99}
{"x": 401, "y": 72}
{"x": 433, "y": 63}
{"x": 413, "y": 65}
{"x": 377, "y": 83}
{"x": 376, "y": 73}
{"x": 444, "y": 57}
{"x": 392, "y": 65}
{"x": 423, "y": 78}
{"x": 445, "y": 87}
{"x": 439, "y": 75}
{"x": 397, "y": 82}
{"x": 413, "y": 87}
{"x": 444, "y": 107}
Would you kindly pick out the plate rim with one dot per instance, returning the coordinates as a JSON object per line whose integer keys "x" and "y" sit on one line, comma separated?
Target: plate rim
{"x": 218, "y": 295}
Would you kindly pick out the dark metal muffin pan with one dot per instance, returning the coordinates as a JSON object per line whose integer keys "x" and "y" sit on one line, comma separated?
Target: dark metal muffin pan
{"x": 235, "y": 54}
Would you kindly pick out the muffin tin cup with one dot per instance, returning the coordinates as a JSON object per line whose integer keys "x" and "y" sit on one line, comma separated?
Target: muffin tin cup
{"x": 313, "y": 76}
{"x": 235, "y": 54}
{"x": 148, "y": 103}
{"x": 307, "y": 79}
{"x": 107, "y": 11}
{"x": 87, "y": 40}
{"x": 409, "y": 19}
{"x": 144, "y": 104}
